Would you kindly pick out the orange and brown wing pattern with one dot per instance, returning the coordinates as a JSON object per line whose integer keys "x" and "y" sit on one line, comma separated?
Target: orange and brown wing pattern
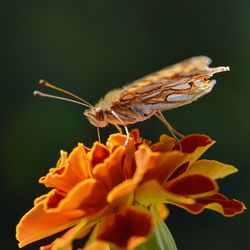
{"x": 171, "y": 87}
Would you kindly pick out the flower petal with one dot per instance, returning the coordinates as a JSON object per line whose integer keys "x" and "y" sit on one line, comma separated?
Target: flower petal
{"x": 216, "y": 202}
{"x": 195, "y": 145}
{"x": 212, "y": 169}
{"x": 76, "y": 169}
{"x": 162, "y": 210}
{"x": 98, "y": 153}
{"x": 110, "y": 172}
{"x": 117, "y": 140}
{"x": 37, "y": 224}
{"x": 40, "y": 199}
{"x": 192, "y": 185}
{"x": 123, "y": 193}
{"x": 191, "y": 142}
{"x": 82, "y": 228}
{"x": 159, "y": 165}
{"x": 89, "y": 196}
{"x": 52, "y": 199}
{"x": 86, "y": 198}
{"x": 79, "y": 167}
{"x": 97, "y": 245}
{"x": 151, "y": 192}
{"x": 127, "y": 228}
{"x": 135, "y": 133}
{"x": 138, "y": 140}
{"x": 166, "y": 143}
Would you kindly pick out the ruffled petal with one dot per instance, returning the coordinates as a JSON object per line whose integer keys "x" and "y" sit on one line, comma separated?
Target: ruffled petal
{"x": 135, "y": 133}
{"x": 98, "y": 153}
{"x": 110, "y": 172}
{"x": 138, "y": 140}
{"x": 55, "y": 213}
{"x": 123, "y": 193}
{"x": 166, "y": 143}
{"x": 212, "y": 169}
{"x": 117, "y": 140}
{"x": 127, "y": 228}
{"x": 79, "y": 167}
{"x": 89, "y": 196}
{"x": 75, "y": 169}
{"x": 216, "y": 202}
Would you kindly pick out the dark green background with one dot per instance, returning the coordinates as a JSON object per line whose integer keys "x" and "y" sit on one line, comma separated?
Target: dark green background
{"x": 90, "y": 47}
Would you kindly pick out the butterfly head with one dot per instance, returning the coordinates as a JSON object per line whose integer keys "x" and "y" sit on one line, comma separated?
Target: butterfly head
{"x": 96, "y": 117}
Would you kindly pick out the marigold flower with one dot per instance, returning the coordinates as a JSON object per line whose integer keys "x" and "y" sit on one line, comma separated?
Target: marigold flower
{"x": 108, "y": 191}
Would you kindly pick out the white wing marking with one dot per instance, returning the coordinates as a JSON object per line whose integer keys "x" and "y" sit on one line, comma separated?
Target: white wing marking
{"x": 180, "y": 97}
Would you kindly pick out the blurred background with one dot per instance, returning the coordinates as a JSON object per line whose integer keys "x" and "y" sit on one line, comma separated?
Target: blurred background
{"x": 91, "y": 47}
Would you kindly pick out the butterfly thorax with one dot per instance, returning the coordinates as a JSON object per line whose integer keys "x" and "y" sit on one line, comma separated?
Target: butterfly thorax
{"x": 101, "y": 117}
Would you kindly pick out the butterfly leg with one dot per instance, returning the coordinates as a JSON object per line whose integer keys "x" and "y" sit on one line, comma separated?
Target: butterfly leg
{"x": 98, "y": 134}
{"x": 160, "y": 116}
{"x": 118, "y": 128}
{"x": 172, "y": 131}
{"x": 123, "y": 124}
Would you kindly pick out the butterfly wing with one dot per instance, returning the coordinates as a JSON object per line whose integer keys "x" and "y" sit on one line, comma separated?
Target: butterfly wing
{"x": 171, "y": 87}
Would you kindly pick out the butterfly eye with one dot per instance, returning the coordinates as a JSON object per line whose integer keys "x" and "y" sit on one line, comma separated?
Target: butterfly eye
{"x": 99, "y": 114}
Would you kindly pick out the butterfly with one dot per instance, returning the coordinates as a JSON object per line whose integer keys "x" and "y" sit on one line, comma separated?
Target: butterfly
{"x": 169, "y": 88}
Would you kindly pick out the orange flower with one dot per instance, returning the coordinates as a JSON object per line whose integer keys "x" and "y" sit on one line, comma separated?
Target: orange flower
{"x": 107, "y": 191}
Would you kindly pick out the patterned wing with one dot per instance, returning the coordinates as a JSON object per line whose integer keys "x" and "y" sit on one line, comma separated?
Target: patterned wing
{"x": 170, "y": 87}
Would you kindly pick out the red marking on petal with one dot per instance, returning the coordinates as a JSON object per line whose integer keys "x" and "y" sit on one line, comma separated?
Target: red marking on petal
{"x": 180, "y": 170}
{"x": 127, "y": 228}
{"x": 191, "y": 142}
{"x": 216, "y": 202}
{"x": 189, "y": 185}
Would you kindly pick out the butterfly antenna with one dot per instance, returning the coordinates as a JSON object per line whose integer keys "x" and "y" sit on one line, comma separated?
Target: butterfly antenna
{"x": 38, "y": 93}
{"x": 52, "y": 86}
{"x": 98, "y": 134}
{"x": 123, "y": 124}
